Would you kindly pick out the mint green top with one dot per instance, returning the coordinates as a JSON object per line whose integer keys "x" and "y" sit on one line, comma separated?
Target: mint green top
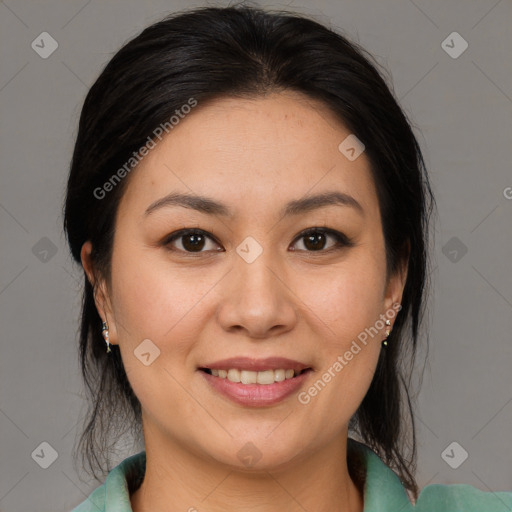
{"x": 383, "y": 490}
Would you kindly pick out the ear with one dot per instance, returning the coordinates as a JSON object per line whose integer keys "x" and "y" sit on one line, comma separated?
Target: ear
{"x": 101, "y": 294}
{"x": 396, "y": 283}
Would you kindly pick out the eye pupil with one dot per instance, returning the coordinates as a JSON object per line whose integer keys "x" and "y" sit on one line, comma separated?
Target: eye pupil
{"x": 315, "y": 239}
{"x": 197, "y": 243}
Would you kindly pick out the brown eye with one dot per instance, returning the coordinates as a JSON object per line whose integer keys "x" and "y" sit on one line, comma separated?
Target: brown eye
{"x": 191, "y": 240}
{"x": 315, "y": 240}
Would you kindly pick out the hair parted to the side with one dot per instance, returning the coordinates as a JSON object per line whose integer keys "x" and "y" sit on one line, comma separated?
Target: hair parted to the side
{"x": 242, "y": 51}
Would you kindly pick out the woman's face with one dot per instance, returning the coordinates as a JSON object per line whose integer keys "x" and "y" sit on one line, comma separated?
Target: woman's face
{"x": 250, "y": 285}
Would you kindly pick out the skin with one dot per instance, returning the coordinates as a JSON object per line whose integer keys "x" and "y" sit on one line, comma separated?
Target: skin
{"x": 254, "y": 155}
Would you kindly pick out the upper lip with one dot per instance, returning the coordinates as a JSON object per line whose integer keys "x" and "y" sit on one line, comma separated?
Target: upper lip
{"x": 257, "y": 365}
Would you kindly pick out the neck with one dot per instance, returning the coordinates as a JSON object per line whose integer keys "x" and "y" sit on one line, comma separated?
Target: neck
{"x": 178, "y": 480}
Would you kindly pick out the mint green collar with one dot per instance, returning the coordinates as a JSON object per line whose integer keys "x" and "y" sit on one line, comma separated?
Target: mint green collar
{"x": 383, "y": 490}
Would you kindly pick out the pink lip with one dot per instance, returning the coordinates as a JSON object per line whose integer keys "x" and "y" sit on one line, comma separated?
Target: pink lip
{"x": 257, "y": 365}
{"x": 255, "y": 395}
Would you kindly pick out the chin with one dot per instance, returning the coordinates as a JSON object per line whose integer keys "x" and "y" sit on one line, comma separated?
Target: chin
{"x": 260, "y": 454}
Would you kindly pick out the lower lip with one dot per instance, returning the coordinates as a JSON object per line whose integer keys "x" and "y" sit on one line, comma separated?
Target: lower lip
{"x": 256, "y": 395}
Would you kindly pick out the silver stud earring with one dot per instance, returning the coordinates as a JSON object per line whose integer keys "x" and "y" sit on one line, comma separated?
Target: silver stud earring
{"x": 104, "y": 331}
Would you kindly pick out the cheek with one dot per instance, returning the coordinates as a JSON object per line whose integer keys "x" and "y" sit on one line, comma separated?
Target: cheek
{"x": 347, "y": 307}
{"x": 152, "y": 303}
{"x": 347, "y": 304}
{"x": 348, "y": 299}
{"x": 151, "y": 299}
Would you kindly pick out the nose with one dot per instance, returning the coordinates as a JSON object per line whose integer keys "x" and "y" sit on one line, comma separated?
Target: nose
{"x": 257, "y": 300}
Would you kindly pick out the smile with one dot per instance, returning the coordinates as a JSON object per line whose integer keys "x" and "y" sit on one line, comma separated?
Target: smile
{"x": 265, "y": 377}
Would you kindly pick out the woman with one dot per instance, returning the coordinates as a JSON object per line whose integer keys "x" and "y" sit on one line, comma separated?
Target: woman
{"x": 251, "y": 210}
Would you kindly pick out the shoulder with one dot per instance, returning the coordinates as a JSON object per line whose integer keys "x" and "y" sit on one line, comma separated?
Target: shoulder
{"x": 120, "y": 483}
{"x": 462, "y": 497}
{"x": 95, "y": 501}
{"x": 384, "y": 492}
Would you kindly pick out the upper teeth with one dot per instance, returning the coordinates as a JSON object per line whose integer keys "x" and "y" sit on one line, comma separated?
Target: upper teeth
{"x": 248, "y": 377}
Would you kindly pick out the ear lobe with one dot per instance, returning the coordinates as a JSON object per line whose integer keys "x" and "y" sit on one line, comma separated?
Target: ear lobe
{"x": 101, "y": 296}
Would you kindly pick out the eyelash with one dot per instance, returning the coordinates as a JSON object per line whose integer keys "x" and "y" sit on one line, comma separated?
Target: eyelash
{"x": 342, "y": 241}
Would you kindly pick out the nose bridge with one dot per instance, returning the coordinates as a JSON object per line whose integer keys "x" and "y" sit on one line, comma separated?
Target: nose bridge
{"x": 255, "y": 281}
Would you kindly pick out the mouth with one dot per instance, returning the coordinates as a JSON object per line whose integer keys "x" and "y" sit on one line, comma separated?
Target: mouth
{"x": 265, "y": 377}
{"x": 256, "y": 382}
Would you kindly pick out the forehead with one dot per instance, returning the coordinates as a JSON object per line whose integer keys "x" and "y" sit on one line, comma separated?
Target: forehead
{"x": 253, "y": 151}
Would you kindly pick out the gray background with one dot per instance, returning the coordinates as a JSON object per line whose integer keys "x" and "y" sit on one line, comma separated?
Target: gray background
{"x": 461, "y": 108}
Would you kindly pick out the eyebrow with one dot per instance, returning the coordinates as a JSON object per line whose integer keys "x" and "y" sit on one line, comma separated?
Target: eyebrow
{"x": 296, "y": 207}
